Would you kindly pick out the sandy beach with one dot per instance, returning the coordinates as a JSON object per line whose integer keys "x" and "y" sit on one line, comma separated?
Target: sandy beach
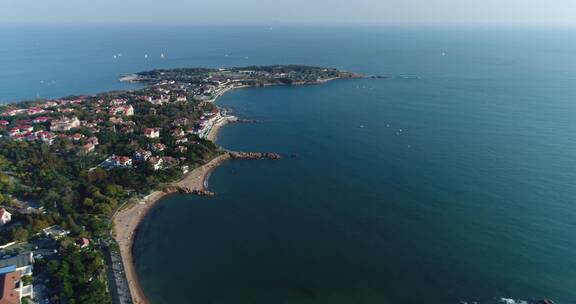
{"x": 214, "y": 131}
{"x": 127, "y": 220}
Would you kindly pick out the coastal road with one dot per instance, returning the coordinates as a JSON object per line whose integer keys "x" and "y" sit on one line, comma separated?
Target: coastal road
{"x": 116, "y": 276}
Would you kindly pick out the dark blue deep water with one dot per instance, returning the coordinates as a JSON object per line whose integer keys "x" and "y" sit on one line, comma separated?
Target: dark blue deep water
{"x": 453, "y": 180}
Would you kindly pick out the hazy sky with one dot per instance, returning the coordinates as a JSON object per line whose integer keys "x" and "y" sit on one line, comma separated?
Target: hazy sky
{"x": 290, "y": 11}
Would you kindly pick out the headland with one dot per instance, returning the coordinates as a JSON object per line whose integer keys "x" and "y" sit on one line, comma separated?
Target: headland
{"x": 220, "y": 81}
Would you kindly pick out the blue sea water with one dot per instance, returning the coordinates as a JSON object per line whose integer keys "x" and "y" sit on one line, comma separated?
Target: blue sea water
{"x": 453, "y": 180}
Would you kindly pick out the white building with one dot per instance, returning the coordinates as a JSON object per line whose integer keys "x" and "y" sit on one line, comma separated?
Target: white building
{"x": 122, "y": 110}
{"x": 156, "y": 162}
{"x": 65, "y": 124}
{"x": 55, "y": 232}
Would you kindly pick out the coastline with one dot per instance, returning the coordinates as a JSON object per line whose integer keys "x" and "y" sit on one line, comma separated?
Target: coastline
{"x": 127, "y": 221}
{"x": 213, "y": 134}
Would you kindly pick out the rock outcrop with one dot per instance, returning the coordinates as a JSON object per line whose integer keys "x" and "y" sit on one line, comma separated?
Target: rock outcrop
{"x": 254, "y": 155}
{"x": 203, "y": 192}
{"x": 243, "y": 120}
{"x": 182, "y": 189}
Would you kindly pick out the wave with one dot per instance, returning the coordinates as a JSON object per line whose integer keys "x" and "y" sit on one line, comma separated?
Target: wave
{"x": 512, "y": 301}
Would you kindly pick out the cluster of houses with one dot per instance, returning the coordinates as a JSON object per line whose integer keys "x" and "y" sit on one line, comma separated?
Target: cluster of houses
{"x": 205, "y": 90}
{"x": 140, "y": 156}
{"x": 16, "y": 270}
{"x": 206, "y": 123}
{"x": 119, "y": 106}
{"x": 165, "y": 92}
{"x": 50, "y": 106}
{"x": 55, "y": 123}
{"x": 29, "y": 111}
{"x": 25, "y": 129}
{"x": 48, "y": 121}
{"x": 17, "y": 263}
{"x": 28, "y": 133}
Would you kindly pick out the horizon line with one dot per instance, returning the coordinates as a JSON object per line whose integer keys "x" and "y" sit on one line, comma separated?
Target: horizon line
{"x": 303, "y": 23}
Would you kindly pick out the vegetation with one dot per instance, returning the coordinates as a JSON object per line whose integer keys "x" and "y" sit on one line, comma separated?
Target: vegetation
{"x": 77, "y": 277}
{"x": 77, "y": 159}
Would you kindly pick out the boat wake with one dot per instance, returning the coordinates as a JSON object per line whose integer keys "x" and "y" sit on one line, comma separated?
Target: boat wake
{"x": 511, "y": 301}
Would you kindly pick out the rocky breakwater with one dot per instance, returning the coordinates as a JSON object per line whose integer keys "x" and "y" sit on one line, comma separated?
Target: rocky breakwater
{"x": 203, "y": 192}
{"x": 245, "y": 121}
{"x": 254, "y": 155}
{"x": 182, "y": 189}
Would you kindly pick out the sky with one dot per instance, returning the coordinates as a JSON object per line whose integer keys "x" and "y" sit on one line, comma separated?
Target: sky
{"x": 546, "y": 12}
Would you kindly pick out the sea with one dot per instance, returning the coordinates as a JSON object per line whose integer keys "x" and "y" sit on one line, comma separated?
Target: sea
{"x": 452, "y": 180}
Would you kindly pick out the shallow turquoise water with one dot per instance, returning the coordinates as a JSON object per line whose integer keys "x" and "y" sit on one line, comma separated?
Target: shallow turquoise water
{"x": 472, "y": 201}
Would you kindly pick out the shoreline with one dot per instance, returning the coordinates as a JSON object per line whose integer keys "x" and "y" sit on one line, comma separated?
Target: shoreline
{"x": 213, "y": 134}
{"x": 127, "y": 221}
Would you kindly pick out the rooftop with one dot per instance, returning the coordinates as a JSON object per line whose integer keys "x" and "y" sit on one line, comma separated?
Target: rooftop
{"x": 21, "y": 260}
{"x": 9, "y": 283}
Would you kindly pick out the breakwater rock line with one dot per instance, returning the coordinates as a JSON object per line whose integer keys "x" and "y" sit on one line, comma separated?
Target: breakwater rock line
{"x": 254, "y": 155}
{"x": 184, "y": 189}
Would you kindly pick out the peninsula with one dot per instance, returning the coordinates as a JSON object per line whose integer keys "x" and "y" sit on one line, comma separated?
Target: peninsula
{"x": 87, "y": 169}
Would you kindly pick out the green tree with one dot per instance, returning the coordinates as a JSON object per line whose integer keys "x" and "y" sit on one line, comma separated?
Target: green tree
{"x": 20, "y": 234}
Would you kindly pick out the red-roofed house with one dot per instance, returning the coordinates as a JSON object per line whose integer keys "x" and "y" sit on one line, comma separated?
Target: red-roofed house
{"x": 117, "y": 161}
{"x": 77, "y": 137}
{"x": 142, "y": 155}
{"x": 45, "y": 136}
{"x": 35, "y": 110}
{"x": 87, "y": 148}
{"x": 125, "y": 161}
{"x": 83, "y": 242}
{"x": 152, "y": 132}
{"x": 41, "y": 119}
{"x": 10, "y": 284}
{"x": 21, "y": 130}
{"x": 5, "y": 217}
